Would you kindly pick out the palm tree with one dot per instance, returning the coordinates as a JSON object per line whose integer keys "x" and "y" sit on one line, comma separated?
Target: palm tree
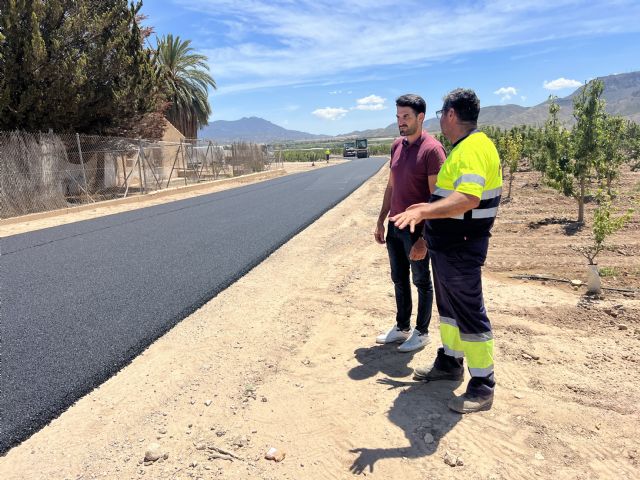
{"x": 185, "y": 79}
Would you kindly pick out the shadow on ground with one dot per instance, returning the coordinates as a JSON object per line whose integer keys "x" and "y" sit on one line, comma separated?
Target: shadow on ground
{"x": 420, "y": 409}
{"x": 570, "y": 227}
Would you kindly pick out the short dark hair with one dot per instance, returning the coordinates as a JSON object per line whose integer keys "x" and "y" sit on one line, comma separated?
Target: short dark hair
{"x": 415, "y": 102}
{"x": 464, "y": 102}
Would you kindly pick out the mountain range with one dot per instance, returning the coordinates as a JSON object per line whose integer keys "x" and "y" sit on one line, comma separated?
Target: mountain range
{"x": 621, "y": 94}
{"x": 252, "y": 129}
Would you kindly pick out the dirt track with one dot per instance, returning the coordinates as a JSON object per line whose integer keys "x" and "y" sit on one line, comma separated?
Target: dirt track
{"x": 285, "y": 358}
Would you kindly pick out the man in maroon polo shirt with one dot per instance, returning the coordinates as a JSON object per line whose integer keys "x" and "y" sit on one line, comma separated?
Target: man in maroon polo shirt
{"x": 416, "y": 158}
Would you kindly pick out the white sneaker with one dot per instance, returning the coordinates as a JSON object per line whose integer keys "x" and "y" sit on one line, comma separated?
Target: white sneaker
{"x": 392, "y": 336}
{"x": 416, "y": 341}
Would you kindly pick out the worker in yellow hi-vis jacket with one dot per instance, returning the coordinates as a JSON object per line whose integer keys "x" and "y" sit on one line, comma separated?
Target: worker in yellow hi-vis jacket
{"x": 459, "y": 218}
{"x": 327, "y": 152}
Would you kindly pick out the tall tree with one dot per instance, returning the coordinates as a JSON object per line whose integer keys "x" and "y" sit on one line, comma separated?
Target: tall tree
{"x": 74, "y": 65}
{"x": 570, "y": 158}
{"x": 587, "y": 138}
{"x": 185, "y": 81}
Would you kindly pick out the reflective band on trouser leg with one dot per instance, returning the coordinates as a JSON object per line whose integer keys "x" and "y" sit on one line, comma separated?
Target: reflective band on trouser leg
{"x": 479, "y": 357}
{"x": 451, "y": 339}
{"x": 449, "y": 332}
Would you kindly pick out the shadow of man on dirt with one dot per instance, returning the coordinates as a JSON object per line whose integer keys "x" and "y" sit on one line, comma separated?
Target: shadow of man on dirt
{"x": 381, "y": 358}
{"x": 420, "y": 408}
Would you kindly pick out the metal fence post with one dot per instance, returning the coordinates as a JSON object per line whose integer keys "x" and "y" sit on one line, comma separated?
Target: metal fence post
{"x": 140, "y": 157}
{"x": 84, "y": 173}
{"x": 184, "y": 163}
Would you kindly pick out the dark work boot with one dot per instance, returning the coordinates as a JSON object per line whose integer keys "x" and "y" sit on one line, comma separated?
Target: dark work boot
{"x": 467, "y": 403}
{"x": 445, "y": 367}
{"x": 478, "y": 397}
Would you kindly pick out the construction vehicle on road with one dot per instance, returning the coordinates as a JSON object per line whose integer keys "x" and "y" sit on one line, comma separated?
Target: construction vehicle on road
{"x": 349, "y": 149}
{"x": 358, "y": 148}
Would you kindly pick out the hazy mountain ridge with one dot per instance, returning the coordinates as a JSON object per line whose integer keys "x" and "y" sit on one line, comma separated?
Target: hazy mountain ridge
{"x": 252, "y": 129}
{"x": 621, "y": 94}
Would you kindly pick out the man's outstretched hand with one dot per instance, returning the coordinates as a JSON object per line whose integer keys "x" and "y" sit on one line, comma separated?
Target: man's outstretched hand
{"x": 411, "y": 216}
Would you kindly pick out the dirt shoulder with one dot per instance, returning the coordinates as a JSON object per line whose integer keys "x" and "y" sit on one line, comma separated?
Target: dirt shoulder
{"x": 286, "y": 358}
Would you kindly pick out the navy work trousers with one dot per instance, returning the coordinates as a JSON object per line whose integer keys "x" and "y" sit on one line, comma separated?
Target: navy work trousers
{"x": 464, "y": 325}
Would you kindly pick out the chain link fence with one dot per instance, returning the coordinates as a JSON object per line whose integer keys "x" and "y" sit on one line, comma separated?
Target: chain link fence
{"x": 47, "y": 171}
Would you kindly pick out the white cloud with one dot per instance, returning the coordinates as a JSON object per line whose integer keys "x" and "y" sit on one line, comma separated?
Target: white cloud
{"x": 321, "y": 40}
{"x": 372, "y": 102}
{"x": 377, "y": 106}
{"x": 330, "y": 113}
{"x": 371, "y": 99}
{"x": 560, "y": 83}
{"x": 506, "y": 93}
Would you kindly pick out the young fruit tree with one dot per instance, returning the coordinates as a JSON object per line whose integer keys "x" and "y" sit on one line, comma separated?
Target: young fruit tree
{"x": 554, "y": 161}
{"x": 510, "y": 146}
{"x": 587, "y": 137}
{"x": 513, "y": 144}
{"x": 572, "y": 158}
{"x": 631, "y": 144}
{"x": 613, "y": 152}
{"x": 605, "y": 224}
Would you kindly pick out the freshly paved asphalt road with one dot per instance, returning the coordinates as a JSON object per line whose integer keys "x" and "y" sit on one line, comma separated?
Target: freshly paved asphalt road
{"x": 80, "y": 301}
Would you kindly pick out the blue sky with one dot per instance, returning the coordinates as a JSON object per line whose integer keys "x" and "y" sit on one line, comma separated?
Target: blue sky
{"x": 330, "y": 67}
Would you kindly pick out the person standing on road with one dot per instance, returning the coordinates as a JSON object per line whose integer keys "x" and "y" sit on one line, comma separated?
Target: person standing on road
{"x": 459, "y": 219}
{"x": 416, "y": 158}
{"x": 327, "y": 153}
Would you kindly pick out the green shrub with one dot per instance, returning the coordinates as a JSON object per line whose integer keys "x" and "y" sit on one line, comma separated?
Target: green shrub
{"x": 608, "y": 271}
